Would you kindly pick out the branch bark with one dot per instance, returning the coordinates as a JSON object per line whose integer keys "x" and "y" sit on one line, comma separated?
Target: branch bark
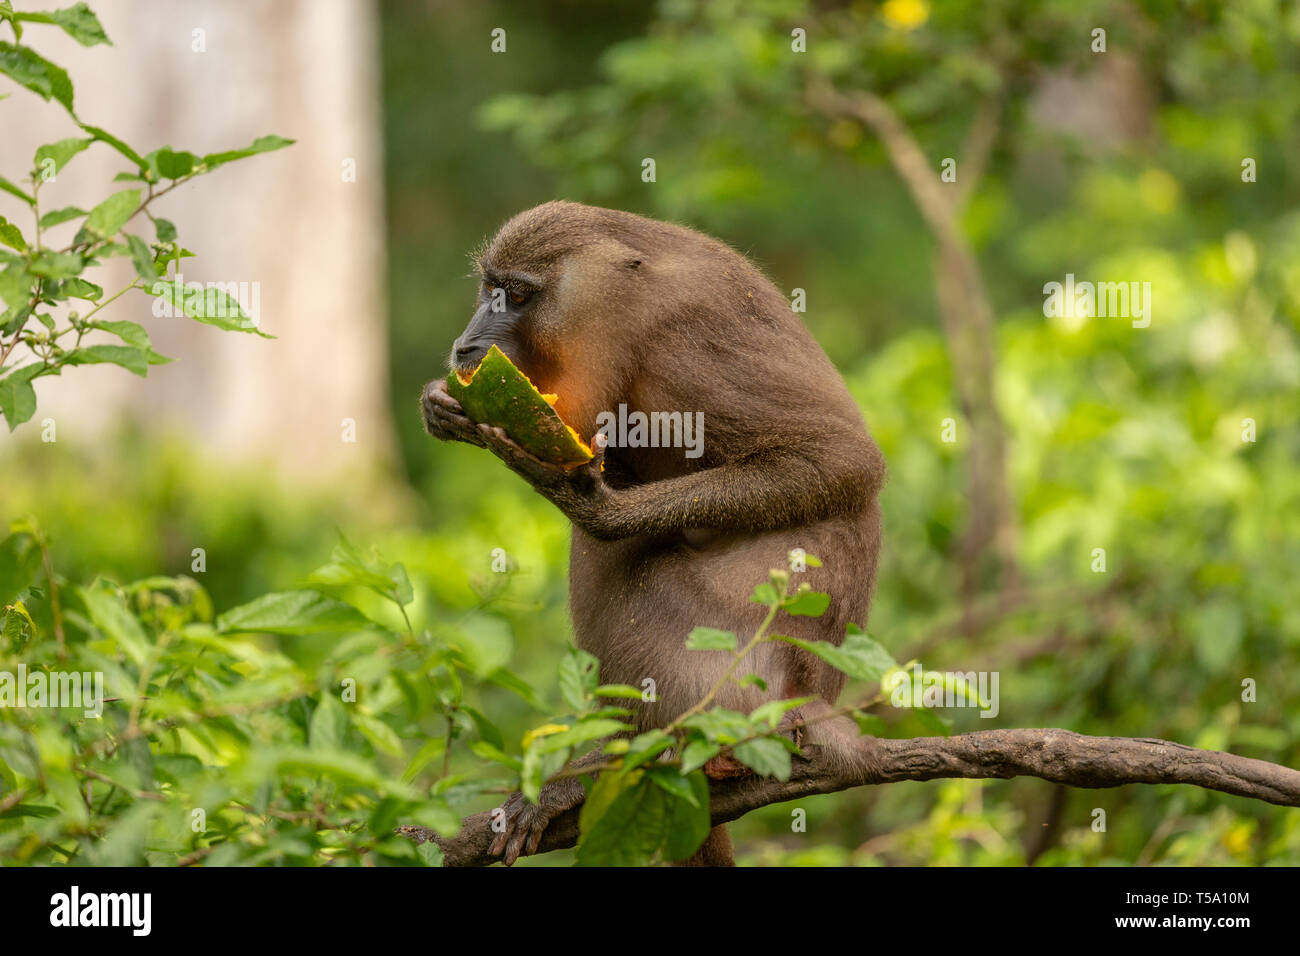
{"x": 1061, "y": 756}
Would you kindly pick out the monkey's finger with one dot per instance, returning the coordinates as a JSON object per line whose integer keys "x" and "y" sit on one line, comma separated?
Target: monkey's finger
{"x": 596, "y": 466}
{"x": 535, "y": 839}
{"x": 454, "y": 425}
{"x": 437, "y": 394}
{"x": 515, "y": 846}
{"x": 519, "y": 460}
{"x": 498, "y": 843}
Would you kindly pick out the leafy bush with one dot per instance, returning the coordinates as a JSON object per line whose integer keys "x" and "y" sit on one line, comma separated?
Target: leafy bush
{"x": 40, "y": 280}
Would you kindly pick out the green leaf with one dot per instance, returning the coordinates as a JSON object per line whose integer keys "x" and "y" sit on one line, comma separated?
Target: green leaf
{"x": 618, "y": 691}
{"x": 209, "y": 305}
{"x": 142, "y": 258}
{"x": 13, "y": 190}
{"x": 59, "y": 153}
{"x": 329, "y": 725}
{"x": 486, "y": 729}
{"x": 165, "y": 229}
{"x": 61, "y": 216}
{"x": 688, "y": 821}
{"x": 711, "y": 639}
{"x": 859, "y": 656}
{"x": 580, "y": 733}
{"x": 108, "y": 610}
{"x": 697, "y": 753}
{"x": 720, "y": 725}
{"x": 629, "y": 820}
{"x": 677, "y": 785}
{"x": 579, "y": 677}
{"x": 16, "y": 286}
{"x": 349, "y": 567}
{"x": 381, "y": 736}
{"x": 28, "y": 68}
{"x": 107, "y": 219}
{"x": 485, "y": 642}
{"x": 78, "y": 288}
{"x": 481, "y": 748}
{"x": 646, "y": 746}
{"x": 806, "y": 603}
{"x": 77, "y": 21}
{"x": 17, "y": 397}
{"x": 103, "y": 136}
{"x": 432, "y": 749}
{"x": 765, "y": 594}
{"x": 772, "y": 712}
{"x": 20, "y": 559}
{"x": 129, "y": 332}
{"x": 129, "y": 357}
{"x": 626, "y": 830}
{"x": 292, "y": 612}
{"x": 539, "y": 766}
{"x": 430, "y": 853}
{"x": 263, "y": 144}
{"x": 516, "y": 685}
{"x": 57, "y": 265}
{"x": 765, "y": 756}
{"x": 12, "y": 236}
{"x": 172, "y": 164}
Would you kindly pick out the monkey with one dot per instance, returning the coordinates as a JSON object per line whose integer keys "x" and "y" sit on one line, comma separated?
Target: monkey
{"x": 603, "y": 307}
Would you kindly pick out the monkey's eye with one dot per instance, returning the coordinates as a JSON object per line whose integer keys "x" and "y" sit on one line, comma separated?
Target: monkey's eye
{"x": 519, "y": 297}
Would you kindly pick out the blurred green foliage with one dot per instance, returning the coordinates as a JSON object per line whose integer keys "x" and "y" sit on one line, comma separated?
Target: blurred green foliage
{"x": 1131, "y": 440}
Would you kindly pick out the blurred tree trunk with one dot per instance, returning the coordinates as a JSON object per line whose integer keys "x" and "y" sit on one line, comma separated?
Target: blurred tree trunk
{"x": 207, "y": 75}
{"x": 988, "y": 545}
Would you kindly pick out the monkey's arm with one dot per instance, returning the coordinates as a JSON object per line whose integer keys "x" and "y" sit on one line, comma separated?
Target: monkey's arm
{"x": 765, "y": 491}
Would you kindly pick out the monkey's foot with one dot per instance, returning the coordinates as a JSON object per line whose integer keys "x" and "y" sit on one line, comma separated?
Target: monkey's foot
{"x": 520, "y": 826}
{"x": 725, "y": 767}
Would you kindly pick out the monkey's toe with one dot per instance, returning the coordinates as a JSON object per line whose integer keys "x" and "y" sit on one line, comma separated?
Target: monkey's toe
{"x": 725, "y": 767}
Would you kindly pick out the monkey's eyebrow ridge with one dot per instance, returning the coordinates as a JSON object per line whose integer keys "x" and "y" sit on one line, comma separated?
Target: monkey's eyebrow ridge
{"x": 511, "y": 278}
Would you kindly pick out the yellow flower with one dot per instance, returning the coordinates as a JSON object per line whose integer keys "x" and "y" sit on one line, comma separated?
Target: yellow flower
{"x": 905, "y": 14}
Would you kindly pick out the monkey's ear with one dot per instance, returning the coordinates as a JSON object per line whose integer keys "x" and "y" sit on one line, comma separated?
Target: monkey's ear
{"x": 633, "y": 263}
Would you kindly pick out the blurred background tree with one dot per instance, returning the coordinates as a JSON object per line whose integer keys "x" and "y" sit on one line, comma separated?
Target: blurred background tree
{"x": 1122, "y": 165}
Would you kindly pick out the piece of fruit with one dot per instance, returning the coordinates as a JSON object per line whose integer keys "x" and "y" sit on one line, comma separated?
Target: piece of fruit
{"x": 499, "y": 394}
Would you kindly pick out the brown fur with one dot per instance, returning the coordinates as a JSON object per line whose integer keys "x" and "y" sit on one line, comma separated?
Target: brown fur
{"x": 662, "y": 318}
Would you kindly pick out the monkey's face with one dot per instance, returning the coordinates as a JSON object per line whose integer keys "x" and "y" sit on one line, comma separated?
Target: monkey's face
{"x": 499, "y": 312}
{"x": 549, "y": 283}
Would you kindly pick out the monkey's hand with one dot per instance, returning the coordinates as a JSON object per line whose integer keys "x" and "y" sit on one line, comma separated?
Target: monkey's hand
{"x": 524, "y": 822}
{"x": 580, "y": 492}
{"x": 444, "y": 418}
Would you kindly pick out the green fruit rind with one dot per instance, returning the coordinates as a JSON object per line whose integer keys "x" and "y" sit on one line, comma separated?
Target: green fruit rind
{"x": 498, "y": 394}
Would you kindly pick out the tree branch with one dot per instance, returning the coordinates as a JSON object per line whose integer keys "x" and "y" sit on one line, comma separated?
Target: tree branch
{"x": 1061, "y": 756}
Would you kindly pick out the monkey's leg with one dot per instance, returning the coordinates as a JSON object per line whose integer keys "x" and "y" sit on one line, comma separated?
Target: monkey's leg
{"x": 525, "y": 822}
{"x": 716, "y": 850}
